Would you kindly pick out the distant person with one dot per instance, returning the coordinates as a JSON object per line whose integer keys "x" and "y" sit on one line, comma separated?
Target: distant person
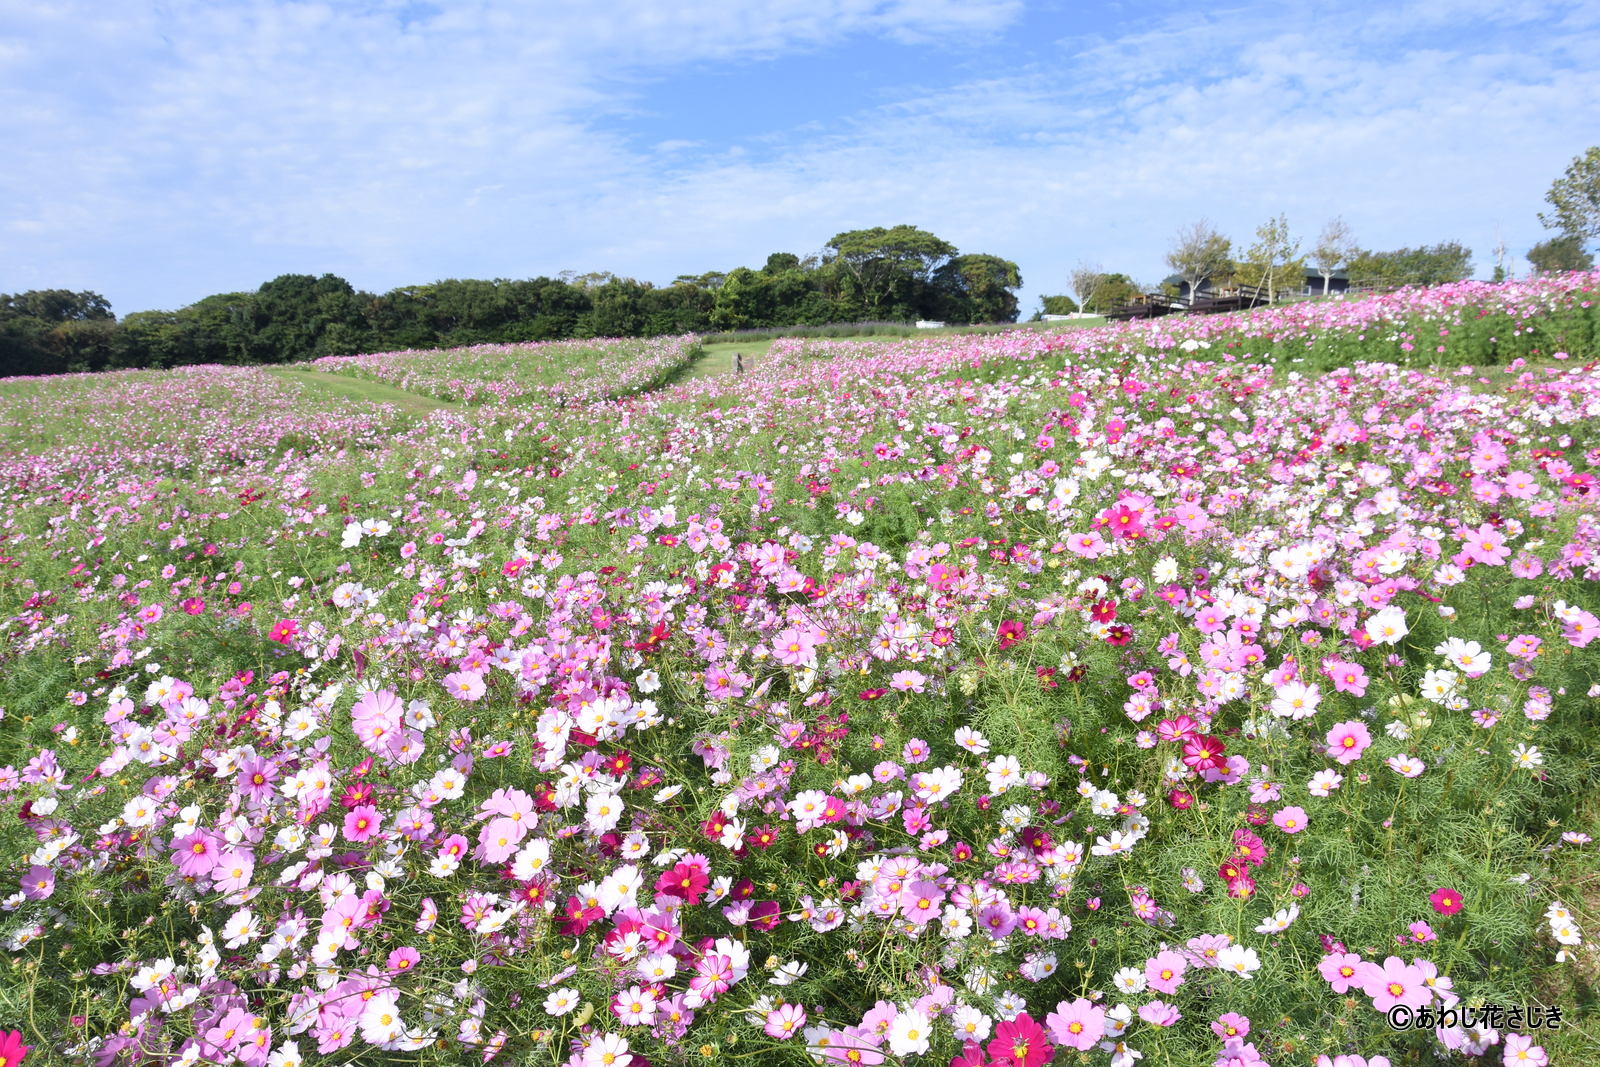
{"x": 738, "y": 363}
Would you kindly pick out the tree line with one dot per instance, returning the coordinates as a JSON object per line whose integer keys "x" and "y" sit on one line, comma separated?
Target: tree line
{"x": 1200, "y": 255}
{"x": 893, "y": 274}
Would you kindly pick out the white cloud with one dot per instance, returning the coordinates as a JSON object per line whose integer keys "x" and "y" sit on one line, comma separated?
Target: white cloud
{"x": 161, "y": 153}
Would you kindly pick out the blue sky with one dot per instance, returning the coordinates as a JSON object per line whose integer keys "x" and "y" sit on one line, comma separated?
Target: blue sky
{"x": 158, "y": 152}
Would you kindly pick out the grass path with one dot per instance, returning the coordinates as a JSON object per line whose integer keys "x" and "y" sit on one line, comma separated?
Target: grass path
{"x": 362, "y": 390}
{"x": 718, "y": 358}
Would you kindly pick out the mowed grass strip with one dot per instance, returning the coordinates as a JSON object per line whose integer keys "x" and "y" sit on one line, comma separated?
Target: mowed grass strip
{"x": 718, "y": 358}
{"x": 364, "y": 391}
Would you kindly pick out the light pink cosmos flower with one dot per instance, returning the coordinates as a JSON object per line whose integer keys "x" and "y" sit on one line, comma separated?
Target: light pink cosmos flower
{"x": 39, "y": 883}
{"x": 1078, "y": 1024}
{"x": 785, "y": 1021}
{"x": 465, "y": 685}
{"x": 1290, "y": 820}
{"x": 1341, "y": 970}
{"x": 1520, "y": 1049}
{"x": 1486, "y": 545}
{"x": 1347, "y": 677}
{"x": 1394, "y": 982}
{"x": 909, "y": 681}
{"x": 1164, "y": 971}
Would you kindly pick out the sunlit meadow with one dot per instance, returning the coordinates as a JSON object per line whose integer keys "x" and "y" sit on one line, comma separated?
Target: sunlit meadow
{"x": 1207, "y": 691}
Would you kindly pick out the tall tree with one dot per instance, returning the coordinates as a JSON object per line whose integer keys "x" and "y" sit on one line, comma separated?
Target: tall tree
{"x": 1110, "y": 291}
{"x": 1084, "y": 277}
{"x": 1574, "y": 199}
{"x": 1271, "y": 260}
{"x": 1559, "y": 254}
{"x": 886, "y": 267}
{"x": 298, "y": 316}
{"x": 979, "y": 288}
{"x": 1199, "y": 253}
{"x": 1334, "y": 248}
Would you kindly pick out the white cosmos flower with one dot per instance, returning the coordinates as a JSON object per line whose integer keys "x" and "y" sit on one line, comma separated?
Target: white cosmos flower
{"x": 1242, "y": 961}
{"x": 1280, "y": 921}
{"x": 560, "y": 1001}
{"x": 1387, "y": 625}
{"x": 909, "y": 1033}
{"x": 789, "y": 972}
{"x": 1115, "y": 843}
{"x": 1129, "y": 980}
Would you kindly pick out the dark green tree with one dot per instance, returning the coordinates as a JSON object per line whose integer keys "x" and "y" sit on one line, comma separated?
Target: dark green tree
{"x": 978, "y": 288}
{"x": 1110, "y": 291}
{"x": 1056, "y": 305}
{"x": 1559, "y": 254}
{"x": 298, "y": 317}
{"x": 886, "y": 270}
{"x": 617, "y": 308}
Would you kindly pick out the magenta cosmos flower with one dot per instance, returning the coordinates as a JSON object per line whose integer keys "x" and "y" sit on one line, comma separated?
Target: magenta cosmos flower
{"x": 196, "y": 854}
{"x": 1445, "y": 901}
{"x": 11, "y": 1048}
{"x": 1021, "y": 1041}
{"x": 362, "y": 823}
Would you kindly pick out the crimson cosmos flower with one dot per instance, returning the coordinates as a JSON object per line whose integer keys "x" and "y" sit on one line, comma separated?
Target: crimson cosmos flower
{"x": 1022, "y": 1041}
{"x": 1445, "y": 901}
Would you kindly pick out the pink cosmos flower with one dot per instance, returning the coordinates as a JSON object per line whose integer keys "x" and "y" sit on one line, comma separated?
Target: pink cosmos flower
{"x": 1159, "y": 1013}
{"x": 1486, "y": 545}
{"x": 1520, "y": 1049}
{"x": 1203, "y": 753}
{"x": 11, "y": 1048}
{"x": 909, "y": 681}
{"x": 362, "y": 823}
{"x": 233, "y": 871}
{"x": 39, "y": 883}
{"x": 785, "y": 1021}
{"x": 1347, "y": 677}
{"x": 1164, "y": 971}
{"x": 1021, "y": 1041}
{"x": 1347, "y": 741}
{"x": 1010, "y": 633}
{"x": 195, "y": 855}
{"x": 1290, "y": 820}
{"x": 1445, "y": 901}
{"x": 1394, "y": 982}
{"x": 685, "y": 881}
{"x": 1078, "y": 1024}
{"x": 284, "y": 632}
{"x": 465, "y": 685}
{"x": 402, "y": 960}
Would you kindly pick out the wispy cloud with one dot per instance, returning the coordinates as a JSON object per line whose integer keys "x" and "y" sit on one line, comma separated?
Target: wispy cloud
{"x": 158, "y": 152}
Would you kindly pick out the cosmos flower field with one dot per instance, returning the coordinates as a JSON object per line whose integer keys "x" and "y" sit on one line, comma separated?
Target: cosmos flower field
{"x": 1207, "y": 691}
